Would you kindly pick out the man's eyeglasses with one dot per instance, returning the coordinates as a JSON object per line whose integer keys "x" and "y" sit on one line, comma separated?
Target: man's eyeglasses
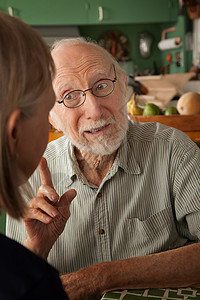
{"x": 101, "y": 88}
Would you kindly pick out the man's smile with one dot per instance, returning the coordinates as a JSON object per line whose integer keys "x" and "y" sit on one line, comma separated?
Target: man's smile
{"x": 97, "y": 130}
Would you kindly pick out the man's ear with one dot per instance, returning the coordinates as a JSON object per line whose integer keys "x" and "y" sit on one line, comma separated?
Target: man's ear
{"x": 124, "y": 76}
{"x": 52, "y": 122}
{"x": 13, "y": 130}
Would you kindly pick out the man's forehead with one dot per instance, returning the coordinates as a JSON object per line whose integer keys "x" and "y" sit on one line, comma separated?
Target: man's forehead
{"x": 75, "y": 54}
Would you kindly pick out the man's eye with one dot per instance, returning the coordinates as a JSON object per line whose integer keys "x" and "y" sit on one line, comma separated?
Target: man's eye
{"x": 69, "y": 96}
{"x": 101, "y": 86}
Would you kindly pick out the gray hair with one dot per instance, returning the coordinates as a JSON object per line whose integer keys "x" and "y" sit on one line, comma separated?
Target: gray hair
{"x": 84, "y": 41}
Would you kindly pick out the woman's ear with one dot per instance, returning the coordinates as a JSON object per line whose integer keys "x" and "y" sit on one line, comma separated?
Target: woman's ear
{"x": 13, "y": 130}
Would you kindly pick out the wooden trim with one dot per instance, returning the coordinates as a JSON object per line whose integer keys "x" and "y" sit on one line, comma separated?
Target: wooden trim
{"x": 184, "y": 123}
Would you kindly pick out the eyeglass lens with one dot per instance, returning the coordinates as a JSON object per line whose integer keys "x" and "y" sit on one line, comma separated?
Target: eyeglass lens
{"x": 101, "y": 88}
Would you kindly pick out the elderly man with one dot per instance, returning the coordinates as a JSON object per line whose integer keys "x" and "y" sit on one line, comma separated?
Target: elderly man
{"x": 135, "y": 220}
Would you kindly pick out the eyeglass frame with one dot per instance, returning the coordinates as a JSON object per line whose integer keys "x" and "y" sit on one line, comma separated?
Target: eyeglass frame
{"x": 90, "y": 89}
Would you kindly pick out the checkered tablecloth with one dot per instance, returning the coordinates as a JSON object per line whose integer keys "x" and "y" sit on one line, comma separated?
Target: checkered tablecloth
{"x": 154, "y": 294}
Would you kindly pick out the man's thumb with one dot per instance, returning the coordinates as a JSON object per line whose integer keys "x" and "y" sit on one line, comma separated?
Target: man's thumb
{"x": 67, "y": 197}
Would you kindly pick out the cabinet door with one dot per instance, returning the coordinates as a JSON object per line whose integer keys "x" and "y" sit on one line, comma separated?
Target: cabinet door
{"x": 132, "y": 11}
{"x": 50, "y": 12}
{"x": 2, "y": 222}
{"x": 3, "y": 5}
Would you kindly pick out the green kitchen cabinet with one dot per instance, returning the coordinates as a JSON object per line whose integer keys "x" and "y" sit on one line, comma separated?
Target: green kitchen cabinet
{"x": 93, "y": 12}
{"x": 2, "y": 222}
{"x": 50, "y": 12}
{"x": 132, "y": 11}
{"x": 3, "y": 5}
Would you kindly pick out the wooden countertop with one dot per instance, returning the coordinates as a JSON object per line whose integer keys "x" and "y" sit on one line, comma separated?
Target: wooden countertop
{"x": 54, "y": 134}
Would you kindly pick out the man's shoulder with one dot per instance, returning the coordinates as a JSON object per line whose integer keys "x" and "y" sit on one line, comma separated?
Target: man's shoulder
{"x": 57, "y": 156}
{"x": 157, "y": 132}
{"x": 57, "y": 148}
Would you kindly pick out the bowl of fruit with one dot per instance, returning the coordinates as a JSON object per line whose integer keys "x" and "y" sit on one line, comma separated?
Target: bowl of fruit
{"x": 185, "y": 115}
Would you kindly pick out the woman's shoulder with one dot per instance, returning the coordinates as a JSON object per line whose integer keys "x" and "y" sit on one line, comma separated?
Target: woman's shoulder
{"x": 21, "y": 270}
{"x": 15, "y": 251}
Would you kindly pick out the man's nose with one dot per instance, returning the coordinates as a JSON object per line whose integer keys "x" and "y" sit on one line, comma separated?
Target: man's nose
{"x": 92, "y": 105}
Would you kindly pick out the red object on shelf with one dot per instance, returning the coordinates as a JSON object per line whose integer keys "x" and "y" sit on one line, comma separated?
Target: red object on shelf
{"x": 169, "y": 58}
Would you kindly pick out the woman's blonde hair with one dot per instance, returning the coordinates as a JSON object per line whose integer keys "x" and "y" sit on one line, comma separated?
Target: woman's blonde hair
{"x": 26, "y": 69}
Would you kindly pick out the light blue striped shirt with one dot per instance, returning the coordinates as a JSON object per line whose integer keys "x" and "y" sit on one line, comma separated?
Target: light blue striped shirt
{"x": 148, "y": 202}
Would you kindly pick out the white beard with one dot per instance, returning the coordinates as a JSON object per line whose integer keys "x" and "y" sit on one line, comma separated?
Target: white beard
{"x": 105, "y": 144}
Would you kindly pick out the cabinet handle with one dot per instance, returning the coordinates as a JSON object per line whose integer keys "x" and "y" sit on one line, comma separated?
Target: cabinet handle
{"x": 100, "y": 8}
{"x": 10, "y": 10}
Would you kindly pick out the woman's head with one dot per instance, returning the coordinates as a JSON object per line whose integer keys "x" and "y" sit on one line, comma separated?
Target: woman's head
{"x": 25, "y": 84}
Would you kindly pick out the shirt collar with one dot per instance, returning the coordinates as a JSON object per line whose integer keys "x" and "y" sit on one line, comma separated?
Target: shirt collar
{"x": 73, "y": 167}
{"x": 125, "y": 159}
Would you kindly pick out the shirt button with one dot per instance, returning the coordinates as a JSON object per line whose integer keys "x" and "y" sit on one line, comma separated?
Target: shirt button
{"x": 99, "y": 195}
{"x": 101, "y": 231}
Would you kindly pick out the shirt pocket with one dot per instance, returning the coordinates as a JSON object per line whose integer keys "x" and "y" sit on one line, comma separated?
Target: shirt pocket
{"x": 155, "y": 233}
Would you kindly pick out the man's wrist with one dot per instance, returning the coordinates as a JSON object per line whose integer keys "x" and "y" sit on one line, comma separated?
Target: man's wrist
{"x": 37, "y": 250}
{"x": 104, "y": 273}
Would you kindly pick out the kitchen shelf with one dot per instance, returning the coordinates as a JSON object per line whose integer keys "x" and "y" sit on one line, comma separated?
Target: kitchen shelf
{"x": 181, "y": 122}
{"x": 189, "y": 124}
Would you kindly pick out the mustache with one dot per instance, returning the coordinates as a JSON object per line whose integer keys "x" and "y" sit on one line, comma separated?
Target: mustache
{"x": 94, "y": 125}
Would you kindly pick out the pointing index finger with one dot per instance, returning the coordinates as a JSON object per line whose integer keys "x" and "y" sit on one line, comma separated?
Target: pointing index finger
{"x": 45, "y": 174}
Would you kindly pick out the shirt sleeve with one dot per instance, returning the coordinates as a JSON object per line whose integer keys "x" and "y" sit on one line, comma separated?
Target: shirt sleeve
{"x": 187, "y": 191}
